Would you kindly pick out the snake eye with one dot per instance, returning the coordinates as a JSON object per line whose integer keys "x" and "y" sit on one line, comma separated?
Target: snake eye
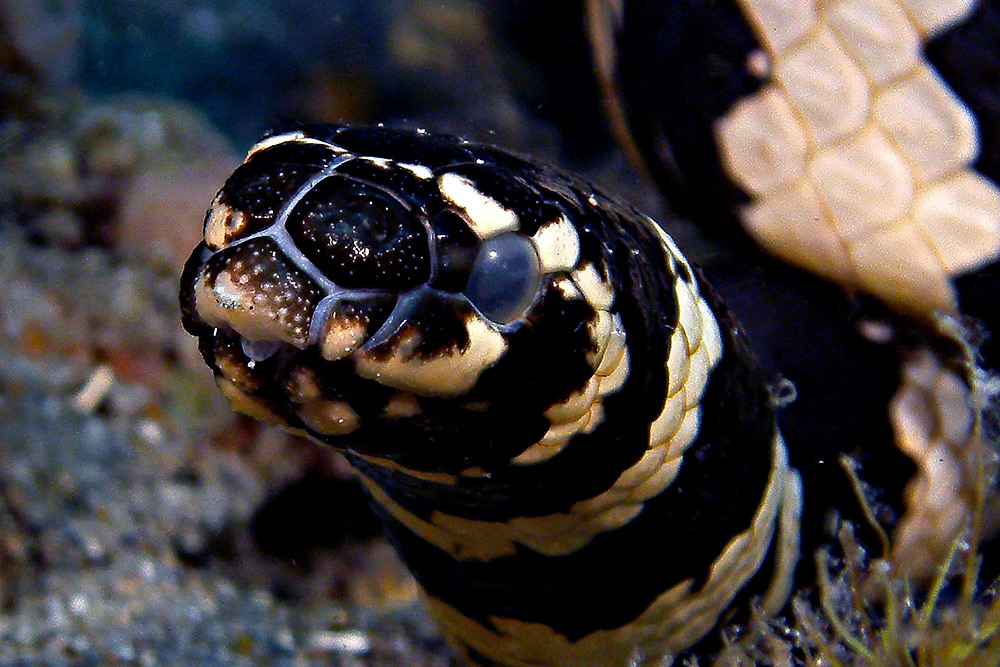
{"x": 360, "y": 237}
{"x": 505, "y": 278}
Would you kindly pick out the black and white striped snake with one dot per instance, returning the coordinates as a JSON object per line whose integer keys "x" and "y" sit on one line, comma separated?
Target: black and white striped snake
{"x": 560, "y": 424}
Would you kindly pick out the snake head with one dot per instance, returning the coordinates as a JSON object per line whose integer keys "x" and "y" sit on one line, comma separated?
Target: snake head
{"x": 396, "y": 293}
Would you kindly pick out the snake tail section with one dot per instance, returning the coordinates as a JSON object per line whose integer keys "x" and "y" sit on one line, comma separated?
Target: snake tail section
{"x": 560, "y": 425}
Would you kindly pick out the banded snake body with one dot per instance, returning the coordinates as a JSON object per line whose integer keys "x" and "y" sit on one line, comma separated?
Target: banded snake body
{"x": 560, "y": 424}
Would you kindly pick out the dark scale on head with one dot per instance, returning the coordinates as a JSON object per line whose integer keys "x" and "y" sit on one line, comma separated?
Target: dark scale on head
{"x": 360, "y": 237}
{"x": 436, "y": 325}
{"x": 403, "y": 183}
{"x": 295, "y": 153}
{"x": 372, "y": 309}
{"x": 261, "y": 186}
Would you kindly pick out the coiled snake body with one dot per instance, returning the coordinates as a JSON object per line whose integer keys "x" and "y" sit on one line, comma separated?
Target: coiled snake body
{"x": 558, "y": 421}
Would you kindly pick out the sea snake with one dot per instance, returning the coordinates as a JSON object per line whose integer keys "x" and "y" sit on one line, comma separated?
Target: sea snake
{"x": 559, "y": 423}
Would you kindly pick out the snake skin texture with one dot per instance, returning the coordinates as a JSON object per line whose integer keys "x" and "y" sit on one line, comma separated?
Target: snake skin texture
{"x": 857, "y": 139}
{"x": 560, "y": 425}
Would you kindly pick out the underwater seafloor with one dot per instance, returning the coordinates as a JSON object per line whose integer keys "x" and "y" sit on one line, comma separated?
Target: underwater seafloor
{"x": 142, "y": 522}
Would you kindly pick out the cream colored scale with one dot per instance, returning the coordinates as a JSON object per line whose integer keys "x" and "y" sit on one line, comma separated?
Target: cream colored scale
{"x": 857, "y": 154}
